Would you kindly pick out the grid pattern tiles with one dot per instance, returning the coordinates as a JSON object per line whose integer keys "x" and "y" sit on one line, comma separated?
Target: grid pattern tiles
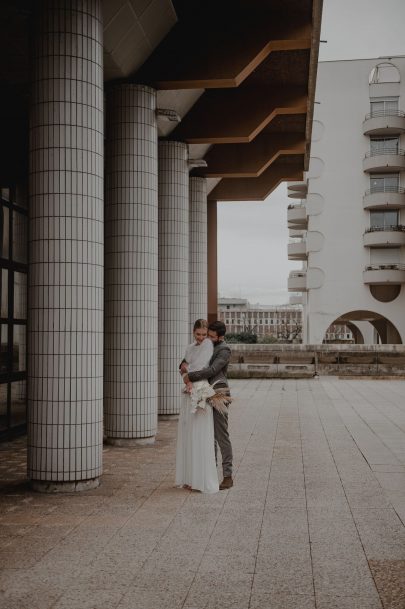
{"x": 131, "y": 263}
{"x": 198, "y": 250}
{"x": 173, "y": 271}
{"x": 65, "y": 355}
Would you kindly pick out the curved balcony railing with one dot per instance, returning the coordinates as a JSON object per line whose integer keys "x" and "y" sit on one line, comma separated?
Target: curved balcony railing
{"x": 393, "y": 227}
{"x": 378, "y": 113}
{"x": 297, "y": 274}
{"x": 296, "y": 206}
{"x": 388, "y": 150}
{"x": 386, "y": 266}
{"x": 385, "y": 188}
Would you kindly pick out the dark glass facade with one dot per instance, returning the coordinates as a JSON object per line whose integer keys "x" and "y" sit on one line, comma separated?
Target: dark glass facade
{"x": 13, "y": 314}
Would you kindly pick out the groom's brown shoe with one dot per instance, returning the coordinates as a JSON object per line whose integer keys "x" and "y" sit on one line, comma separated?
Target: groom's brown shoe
{"x": 226, "y": 483}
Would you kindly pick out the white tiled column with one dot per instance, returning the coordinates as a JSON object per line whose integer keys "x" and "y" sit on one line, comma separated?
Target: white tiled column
{"x": 131, "y": 266}
{"x": 198, "y": 250}
{"x": 173, "y": 271}
{"x": 65, "y": 318}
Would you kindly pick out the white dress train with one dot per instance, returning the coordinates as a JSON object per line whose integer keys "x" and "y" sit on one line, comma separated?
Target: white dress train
{"x": 195, "y": 453}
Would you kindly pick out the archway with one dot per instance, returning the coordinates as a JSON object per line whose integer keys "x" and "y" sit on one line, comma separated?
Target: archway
{"x": 387, "y": 332}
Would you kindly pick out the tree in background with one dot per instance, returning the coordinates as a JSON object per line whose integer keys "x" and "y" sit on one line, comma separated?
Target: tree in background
{"x": 241, "y": 337}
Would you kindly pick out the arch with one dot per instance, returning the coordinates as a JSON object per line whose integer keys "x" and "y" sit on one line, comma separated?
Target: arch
{"x": 384, "y": 72}
{"x": 357, "y": 334}
{"x": 386, "y": 330}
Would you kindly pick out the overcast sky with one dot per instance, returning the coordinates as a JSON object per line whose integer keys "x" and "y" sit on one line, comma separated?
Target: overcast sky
{"x": 253, "y": 237}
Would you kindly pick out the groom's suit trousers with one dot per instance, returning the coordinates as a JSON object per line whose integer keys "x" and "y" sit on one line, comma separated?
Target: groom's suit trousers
{"x": 222, "y": 438}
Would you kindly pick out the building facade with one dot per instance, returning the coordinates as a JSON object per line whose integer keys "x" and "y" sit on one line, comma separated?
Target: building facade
{"x": 348, "y": 226}
{"x": 280, "y": 323}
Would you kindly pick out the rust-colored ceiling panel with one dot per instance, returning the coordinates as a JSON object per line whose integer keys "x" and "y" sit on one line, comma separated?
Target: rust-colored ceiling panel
{"x": 251, "y": 160}
{"x": 247, "y": 189}
{"x": 238, "y": 116}
{"x": 222, "y": 55}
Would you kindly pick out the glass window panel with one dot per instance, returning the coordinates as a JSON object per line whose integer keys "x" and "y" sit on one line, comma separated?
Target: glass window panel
{"x": 3, "y": 407}
{"x": 18, "y": 409}
{"x": 377, "y": 219}
{"x": 4, "y": 293}
{"x": 20, "y": 295}
{"x": 381, "y": 219}
{"x": 4, "y": 231}
{"x": 19, "y": 347}
{"x": 21, "y": 197}
{"x": 384, "y": 145}
{"x": 3, "y": 348}
{"x": 388, "y": 183}
{"x": 20, "y": 237}
{"x": 5, "y": 194}
{"x": 391, "y": 218}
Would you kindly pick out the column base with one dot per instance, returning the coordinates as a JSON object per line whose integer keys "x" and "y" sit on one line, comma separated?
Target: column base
{"x": 129, "y": 442}
{"x": 168, "y": 417}
{"x": 49, "y": 486}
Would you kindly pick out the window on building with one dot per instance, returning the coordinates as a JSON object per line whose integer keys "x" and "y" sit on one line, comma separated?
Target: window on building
{"x": 383, "y": 219}
{"x": 384, "y": 183}
{"x": 384, "y": 107}
{"x": 13, "y": 314}
{"x": 384, "y": 145}
{"x": 384, "y": 72}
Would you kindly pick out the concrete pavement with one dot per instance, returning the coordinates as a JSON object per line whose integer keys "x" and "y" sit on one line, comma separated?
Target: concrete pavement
{"x": 315, "y": 519}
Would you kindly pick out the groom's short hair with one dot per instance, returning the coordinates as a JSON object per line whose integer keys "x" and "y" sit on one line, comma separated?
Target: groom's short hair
{"x": 219, "y": 327}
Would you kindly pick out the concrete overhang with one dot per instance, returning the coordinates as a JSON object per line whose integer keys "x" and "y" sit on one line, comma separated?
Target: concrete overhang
{"x": 258, "y": 189}
{"x": 251, "y": 160}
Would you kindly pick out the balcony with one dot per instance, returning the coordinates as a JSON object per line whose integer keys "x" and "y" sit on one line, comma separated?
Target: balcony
{"x": 297, "y": 281}
{"x": 297, "y": 250}
{"x": 297, "y": 216}
{"x": 296, "y": 299}
{"x": 297, "y": 190}
{"x": 387, "y": 160}
{"x": 383, "y": 274}
{"x": 387, "y": 236}
{"x": 384, "y": 122}
{"x": 387, "y": 197}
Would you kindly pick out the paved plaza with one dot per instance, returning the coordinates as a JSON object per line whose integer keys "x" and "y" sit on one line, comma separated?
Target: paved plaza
{"x": 315, "y": 519}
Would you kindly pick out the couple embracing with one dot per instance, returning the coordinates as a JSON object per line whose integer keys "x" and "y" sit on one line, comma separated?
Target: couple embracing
{"x": 203, "y": 420}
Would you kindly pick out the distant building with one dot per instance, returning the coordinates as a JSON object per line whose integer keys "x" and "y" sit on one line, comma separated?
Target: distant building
{"x": 283, "y": 323}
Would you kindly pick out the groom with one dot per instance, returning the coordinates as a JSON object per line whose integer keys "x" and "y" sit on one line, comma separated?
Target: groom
{"x": 215, "y": 373}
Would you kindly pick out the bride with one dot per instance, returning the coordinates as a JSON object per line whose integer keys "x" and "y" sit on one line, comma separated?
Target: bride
{"x": 195, "y": 452}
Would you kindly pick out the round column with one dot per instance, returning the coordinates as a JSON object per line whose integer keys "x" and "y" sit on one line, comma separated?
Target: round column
{"x": 131, "y": 266}
{"x": 198, "y": 250}
{"x": 65, "y": 293}
{"x": 173, "y": 271}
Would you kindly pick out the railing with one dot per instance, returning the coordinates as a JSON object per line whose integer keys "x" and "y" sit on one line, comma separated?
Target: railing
{"x": 385, "y": 188}
{"x": 394, "y": 150}
{"x": 297, "y": 206}
{"x": 297, "y": 274}
{"x": 393, "y": 266}
{"x": 393, "y": 227}
{"x": 377, "y": 113}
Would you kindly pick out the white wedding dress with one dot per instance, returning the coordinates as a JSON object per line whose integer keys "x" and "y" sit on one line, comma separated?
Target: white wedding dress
{"x": 195, "y": 453}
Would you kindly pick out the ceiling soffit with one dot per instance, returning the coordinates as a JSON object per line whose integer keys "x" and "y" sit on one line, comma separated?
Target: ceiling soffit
{"x": 247, "y": 189}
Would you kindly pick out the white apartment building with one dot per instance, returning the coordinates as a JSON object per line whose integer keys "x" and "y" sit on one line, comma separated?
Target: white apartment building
{"x": 348, "y": 228}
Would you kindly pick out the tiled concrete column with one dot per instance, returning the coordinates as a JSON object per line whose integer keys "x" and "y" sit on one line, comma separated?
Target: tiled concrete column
{"x": 65, "y": 318}
{"x": 173, "y": 271}
{"x": 131, "y": 266}
{"x": 198, "y": 250}
{"x": 212, "y": 207}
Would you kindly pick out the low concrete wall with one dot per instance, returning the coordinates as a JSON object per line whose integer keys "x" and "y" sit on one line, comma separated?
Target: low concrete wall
{"x": 305, "y": 361}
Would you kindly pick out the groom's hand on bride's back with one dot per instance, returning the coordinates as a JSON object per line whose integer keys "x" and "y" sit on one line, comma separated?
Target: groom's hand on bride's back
{"x": 183, "y": 367}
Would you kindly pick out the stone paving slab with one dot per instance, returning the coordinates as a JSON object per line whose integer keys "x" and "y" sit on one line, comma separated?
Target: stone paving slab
{"x": 315, "y": 519}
